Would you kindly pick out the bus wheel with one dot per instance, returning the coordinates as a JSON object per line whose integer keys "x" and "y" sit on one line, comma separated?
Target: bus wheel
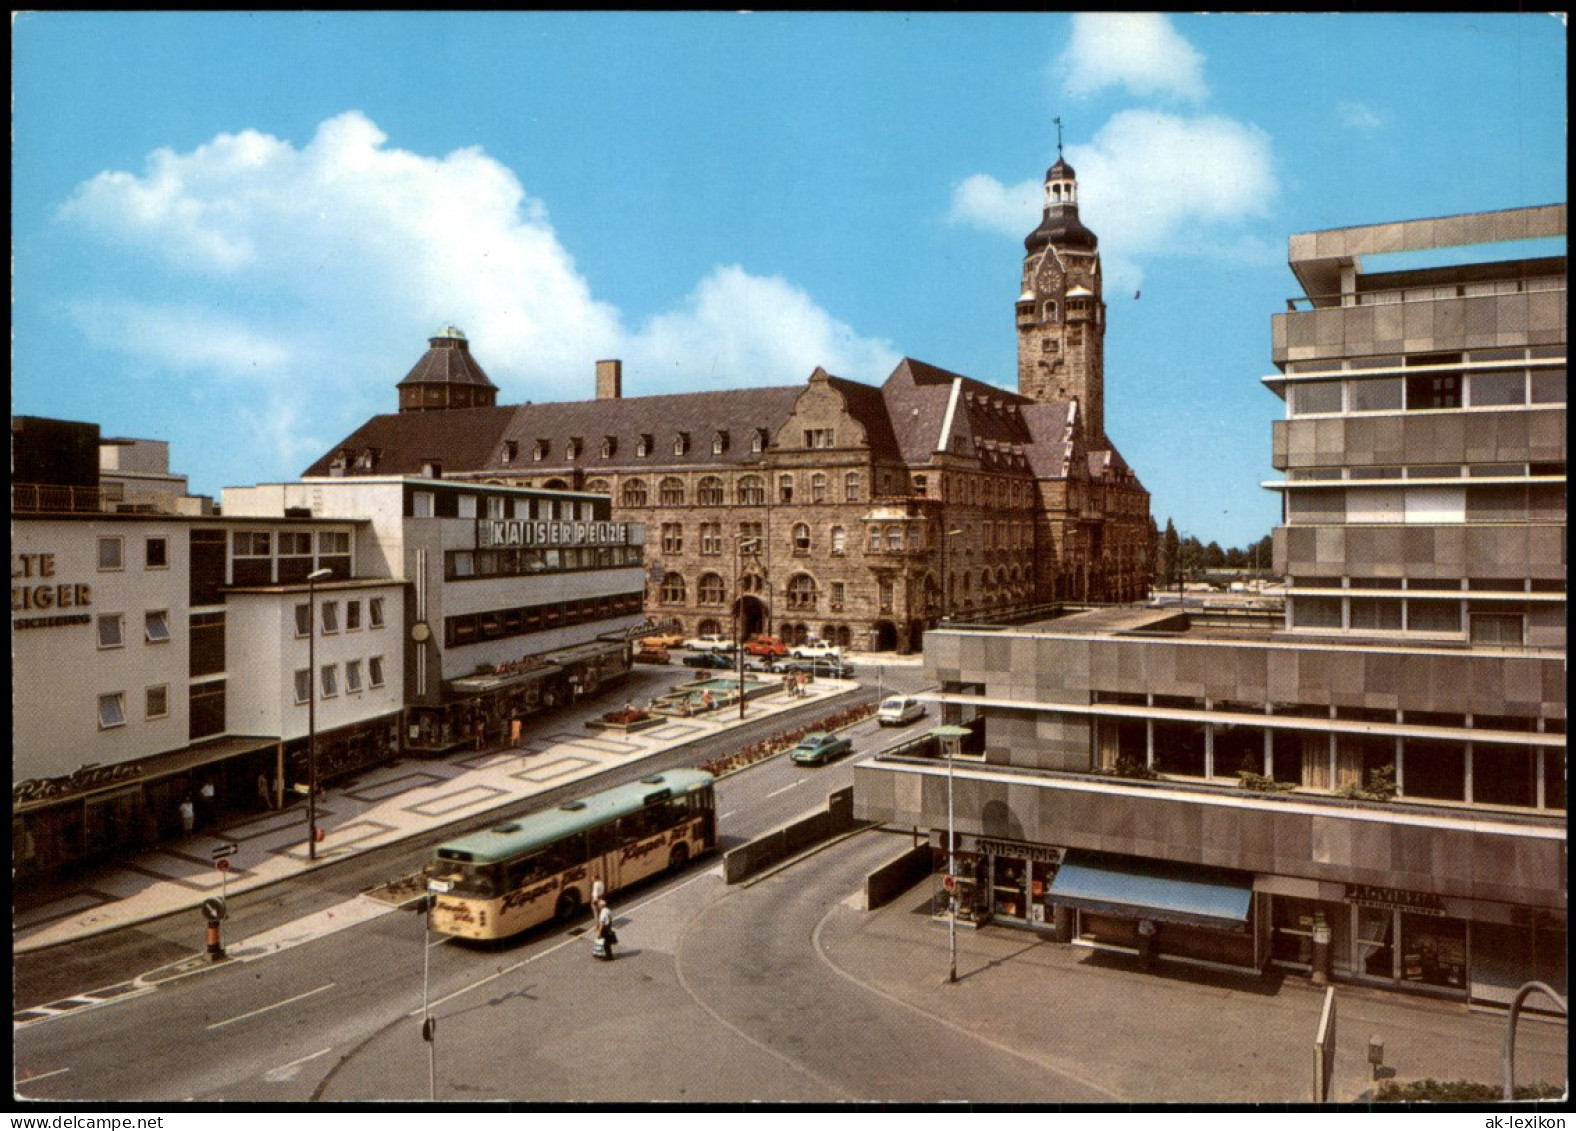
{"x": 568, "y": 906}
{"x": 678, "y": 857}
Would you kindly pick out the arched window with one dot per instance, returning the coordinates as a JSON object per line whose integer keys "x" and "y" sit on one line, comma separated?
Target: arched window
{"x": 710, "y": 589}
{"x": 801, "y": 592}
{"x": 671, "y": 492}
{"x": 752, "y": 583}
{"x": 709, "y": 627}
{"x": 634, "y": 493}
{"x": 818, "y": 488}
{"x": 752, "y": 491}
{"x": 801, "y": 538}
{"x": 597, "y": 487}
{"x": 673, "y": 589}
{"x": 710, "y": 492}
{"x": 839, "y": 540}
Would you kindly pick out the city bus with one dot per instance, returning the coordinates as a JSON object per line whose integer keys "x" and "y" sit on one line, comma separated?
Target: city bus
{"x": 540, "y": 867}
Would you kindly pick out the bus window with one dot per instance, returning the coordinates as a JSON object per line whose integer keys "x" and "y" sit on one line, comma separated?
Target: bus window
{"x": 604, "y": 839}
{"x": 526, "y": 870}
{"x": 479, "y": 880}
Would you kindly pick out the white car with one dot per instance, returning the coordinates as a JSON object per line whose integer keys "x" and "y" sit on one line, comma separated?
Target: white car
{"x": 897, "y": 710}
{"x": 816, "y": 652}
{"x": 713, "y": 642}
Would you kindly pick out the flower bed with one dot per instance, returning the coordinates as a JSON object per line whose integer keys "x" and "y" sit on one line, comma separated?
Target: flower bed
{"x": 786, "y": 740}
{"x": 626, "y": 721}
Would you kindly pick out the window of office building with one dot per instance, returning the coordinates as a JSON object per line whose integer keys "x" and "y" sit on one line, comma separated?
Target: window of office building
{"x": 330, "y": 680}
{"x": 375, "y": 612}
{"x": 352, "y": 676}
{"x": 710, "y": 492}
{"x": 710, "y": 589}
{"x": 157, "y": 702}
{"x": 1315, "y": 397}
{"x": 673, "y": 589}
{"x": 112, "y": 710}
{"x": 111, "y": 630}
{"x": 157, "y": 553}
{"x": 375, "y": 671}
{"x": 634, "y": 493}
{"x": 303, "y": 684}
{"x": 205, "y": 710}
{"x": 801, "y": 592}
{"x": 1498, "y": 388}
{"x": 110, "y": 554}
{"x": 752, "y": 491}
{"x": 156, "y": 627}
{"x": 670, "y": 493}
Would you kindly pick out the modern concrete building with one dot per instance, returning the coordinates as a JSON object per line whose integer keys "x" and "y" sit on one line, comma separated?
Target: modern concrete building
{"x": 857, "y": 514}
{"x": 156, "y": 651}
{"x": 1373, "y": 787}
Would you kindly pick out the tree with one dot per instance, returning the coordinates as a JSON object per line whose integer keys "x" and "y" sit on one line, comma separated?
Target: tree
{"x": 1169, "y": 560}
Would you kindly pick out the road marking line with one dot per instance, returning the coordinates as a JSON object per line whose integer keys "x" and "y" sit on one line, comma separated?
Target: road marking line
{"x": 276, "y": 1005}
{"x": 729, "y": 813}
{"x": 42, "y": 1076}
{"x": 786, "y": 788}
{"x": 570, "y": 941}
{"x": 287, "y": 1072}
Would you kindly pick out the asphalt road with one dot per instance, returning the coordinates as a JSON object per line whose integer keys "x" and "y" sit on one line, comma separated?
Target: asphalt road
{"x": 295, "y": 1026}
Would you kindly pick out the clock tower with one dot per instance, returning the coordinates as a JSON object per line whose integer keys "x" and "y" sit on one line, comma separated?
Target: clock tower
{"x": 1060, "y": 312}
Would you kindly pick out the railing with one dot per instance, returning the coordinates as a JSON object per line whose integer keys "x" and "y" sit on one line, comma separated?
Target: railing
{"x": 49, "y": 497}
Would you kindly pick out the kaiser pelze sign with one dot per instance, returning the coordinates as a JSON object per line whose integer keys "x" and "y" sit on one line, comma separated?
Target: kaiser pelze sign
{"x": 500, "y": 533}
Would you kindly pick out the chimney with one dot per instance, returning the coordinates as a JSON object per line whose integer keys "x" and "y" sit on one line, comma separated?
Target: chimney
{"x": 609, "y": 380}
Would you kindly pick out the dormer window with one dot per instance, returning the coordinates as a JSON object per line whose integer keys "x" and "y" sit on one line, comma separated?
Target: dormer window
{"x": 758, "y": 441}
{"x": 511, "y": 451}
{"x": 369, "y": 459}
{"x": 681, "y": 443}
{"x": 341, "y": 460}
{"x": 609, "y": 446}
{"x": 719, "y": 443}
{"x": 572, "y": 451}
{"x": 539, "y": 452}
{"x": 643, "y": 448}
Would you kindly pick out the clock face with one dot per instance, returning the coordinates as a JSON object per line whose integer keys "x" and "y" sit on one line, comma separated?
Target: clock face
{"x": 419, "y": 632}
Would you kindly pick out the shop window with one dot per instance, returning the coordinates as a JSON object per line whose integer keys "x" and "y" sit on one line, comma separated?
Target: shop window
{"x": 156, "y": 627}
{"x": 111, "y": 710}
{"x": 1433, "y": 950}
{"x": 109, "y": 554}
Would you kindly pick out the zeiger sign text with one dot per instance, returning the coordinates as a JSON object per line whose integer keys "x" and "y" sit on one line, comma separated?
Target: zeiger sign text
{"x": 496, "y": 533}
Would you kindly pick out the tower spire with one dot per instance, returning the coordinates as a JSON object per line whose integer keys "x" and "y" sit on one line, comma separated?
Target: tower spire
{"x": 1058, "y": 122}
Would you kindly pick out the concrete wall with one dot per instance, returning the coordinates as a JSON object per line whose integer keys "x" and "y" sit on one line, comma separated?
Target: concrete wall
{"x": 741, "y": 863}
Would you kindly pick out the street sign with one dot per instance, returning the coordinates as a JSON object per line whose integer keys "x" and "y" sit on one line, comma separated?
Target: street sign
{"x": 213, "y": 909}
{"x": 440, "y": 887}
{"x": 224, "y": 850}
{"x": 223, "y": 864}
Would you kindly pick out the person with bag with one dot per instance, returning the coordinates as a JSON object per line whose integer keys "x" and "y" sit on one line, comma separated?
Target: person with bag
{"x": 603, "y": 937}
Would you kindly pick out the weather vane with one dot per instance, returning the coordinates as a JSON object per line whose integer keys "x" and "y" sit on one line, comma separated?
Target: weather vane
{"x": 1058, "y": 122}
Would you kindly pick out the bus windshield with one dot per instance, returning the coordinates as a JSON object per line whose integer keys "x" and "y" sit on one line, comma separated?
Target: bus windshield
{"x": 469, "y": 879}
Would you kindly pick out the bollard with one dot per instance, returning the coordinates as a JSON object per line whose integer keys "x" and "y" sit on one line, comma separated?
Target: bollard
{"x": 1376, "y": 1054}
{"x": 215, "y": 948}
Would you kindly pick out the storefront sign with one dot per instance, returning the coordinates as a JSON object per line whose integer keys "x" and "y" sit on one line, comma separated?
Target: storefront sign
{"x": 1418, "y": 902}
{"x": 84, "y": 780}
{"x": 1042, "y": 853}
{"x": 35, "y": 591}
{"x": 491, "y": 533}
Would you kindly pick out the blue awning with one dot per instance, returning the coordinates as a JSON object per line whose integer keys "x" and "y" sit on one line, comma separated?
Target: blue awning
{"x": 1152, "y": 889}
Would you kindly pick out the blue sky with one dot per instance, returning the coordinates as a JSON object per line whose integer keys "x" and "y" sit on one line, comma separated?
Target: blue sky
{"x": 235, "y": 231}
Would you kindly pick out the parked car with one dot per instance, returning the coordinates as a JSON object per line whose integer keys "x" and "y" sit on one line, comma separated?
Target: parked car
{"x": 767, "y": 664}
{"x": 816, "y": 651}
{"x": 766, "y": 646}
{"x": 708, "y": 660}
{"x": 819, "y": 748}
{"x": 827, "y": 669}
{"x": 645, "y": 655}
{"x": 898, "y": 710}
{"x": 712, "y": 642}
{"x": 663, "y": 640}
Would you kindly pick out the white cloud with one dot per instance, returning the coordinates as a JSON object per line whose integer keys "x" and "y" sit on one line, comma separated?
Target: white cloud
{"x": 1360, "y": 117}
{"x": 1140, "y": 51}
{"x": 1148, "y": 184}
{"x": 748, "y": 330}
{"x": 331, "y": 259}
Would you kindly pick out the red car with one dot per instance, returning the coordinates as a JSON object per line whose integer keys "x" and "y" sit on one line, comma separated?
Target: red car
{"x": 766, "y": 646}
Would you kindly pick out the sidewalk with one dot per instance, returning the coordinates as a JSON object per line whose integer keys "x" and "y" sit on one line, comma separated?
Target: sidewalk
{"x": 383, "y": 806}
{"x": 1182, "y": 1034}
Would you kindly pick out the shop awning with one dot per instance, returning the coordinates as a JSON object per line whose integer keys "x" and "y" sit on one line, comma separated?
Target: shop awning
{"x": 1152, "y": 889}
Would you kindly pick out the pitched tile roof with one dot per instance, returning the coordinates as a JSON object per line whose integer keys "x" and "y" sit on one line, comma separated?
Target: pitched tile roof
{"x": 461, "y": 439}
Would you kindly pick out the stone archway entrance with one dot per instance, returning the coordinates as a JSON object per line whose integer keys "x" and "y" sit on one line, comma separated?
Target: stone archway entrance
{"x": 884, "y": 636}
{"x": 753, "y": 620}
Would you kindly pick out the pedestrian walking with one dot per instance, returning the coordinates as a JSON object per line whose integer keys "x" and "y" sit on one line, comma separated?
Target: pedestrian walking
{"x": 188, "y": 815}
{"x": 604, "y": 936}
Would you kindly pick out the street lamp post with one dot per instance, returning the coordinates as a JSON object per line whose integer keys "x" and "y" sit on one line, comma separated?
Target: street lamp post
{"x": 946, "y": 549}
{"x": 739, "y": 543}
{"x": 950, "y": 737}
{"x": 311, "y": 708}
{"x": 429, "y": 1028}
